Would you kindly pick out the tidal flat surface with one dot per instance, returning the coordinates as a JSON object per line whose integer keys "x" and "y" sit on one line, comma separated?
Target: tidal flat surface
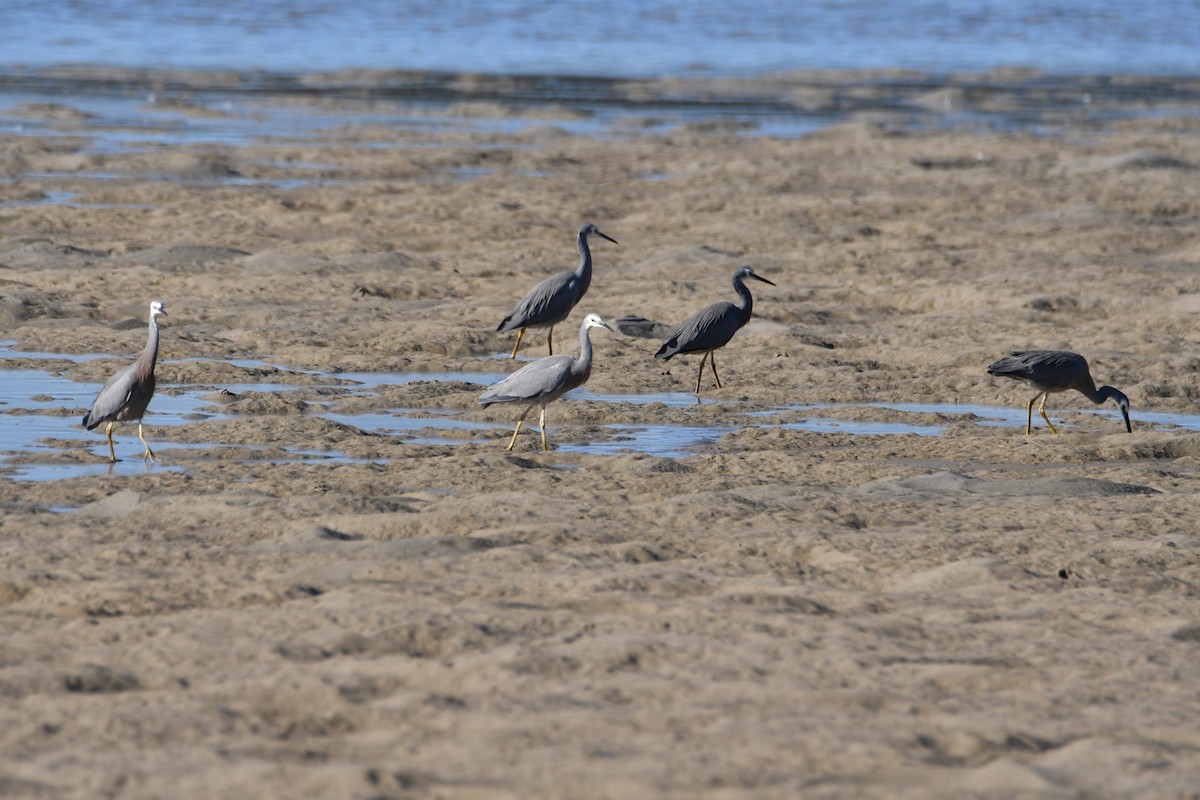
{"x": 296, "y": 603}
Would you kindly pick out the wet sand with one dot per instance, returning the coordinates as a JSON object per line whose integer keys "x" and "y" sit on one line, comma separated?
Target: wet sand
{"x": 781, "y": 613}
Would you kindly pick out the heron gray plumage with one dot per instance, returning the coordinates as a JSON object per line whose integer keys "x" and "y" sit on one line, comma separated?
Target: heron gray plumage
{"x": 545, "y": 380}
{"x": 551, "y": 301}
{"x": 711, "y": 328}
{"x": 125, "y": 396}
{"x": 1051, "y": 371}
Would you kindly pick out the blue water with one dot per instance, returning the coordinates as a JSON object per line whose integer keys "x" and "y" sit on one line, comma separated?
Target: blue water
{"x": 40, "y": 413}
{"x": 615, "y": 38}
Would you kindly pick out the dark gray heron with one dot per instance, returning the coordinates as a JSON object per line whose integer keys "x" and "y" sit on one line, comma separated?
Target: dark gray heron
{"x": 125, "y": 397}
{"x": 551, "y": 301}
{"x": 1056, "y": 371}
{"x": 545, "y": 380}
{"x": 712, "y": 328}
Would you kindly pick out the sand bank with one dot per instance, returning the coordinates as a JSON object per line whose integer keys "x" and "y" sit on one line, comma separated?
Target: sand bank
{"x": 296, "y": 605}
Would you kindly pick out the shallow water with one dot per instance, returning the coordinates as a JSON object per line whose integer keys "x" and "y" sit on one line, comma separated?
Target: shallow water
{"x": 50, "y": 198}
{"x": 146, "y": 76}
{"x": 40, "y": 410}
{"x": 127, "y": 468}
{"x": 404, "y": 421}
{"x": 1004, "y": 416}
{"x": 826, "y": 425}
{"x": 7, "y": 351}
{"x": 664, "y": 441}
{"x": 620, "y": 38}
{"x": 371, "y": 380}
{"x": 125, "y": 123}
{"x": 133, "y": 465}
{"x": 669, "y": 399}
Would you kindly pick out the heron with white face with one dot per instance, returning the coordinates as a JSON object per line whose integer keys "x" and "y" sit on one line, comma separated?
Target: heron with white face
{"x": 711, "y": 328}
{"x": 125, "y": 396}
{"x": 545, "y": 380}
{"x": 1050, "y": 371}
{"x": 551, "y": 301}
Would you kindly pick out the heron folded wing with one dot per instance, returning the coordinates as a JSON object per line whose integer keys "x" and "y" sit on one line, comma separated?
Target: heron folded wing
{"x": 548, "y": 302}
{"x": 112, "y": 397}
{"x": 708, "y": 328}
{"x": 531, "y": 381}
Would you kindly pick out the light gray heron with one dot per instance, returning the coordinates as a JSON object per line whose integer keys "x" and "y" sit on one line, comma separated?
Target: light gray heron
{"x": 545, "y": 380}
{"x": 711, "y": 328}
{"x": 125, "y": 396}
{"x": 1056, "y": 371}
{"x": 551, "y": 301}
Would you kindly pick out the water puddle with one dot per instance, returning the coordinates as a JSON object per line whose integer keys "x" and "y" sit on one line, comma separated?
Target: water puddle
{"x": 130, "y": 464}
{"x": 83, "y": 174}
{"x": 57, "y": 472}
{"x": 408, "y": 421}
{"x": 664, "y": 441}
{"x": 999, "y": 417}
{"x": 40, "y": 411}
{"x": 374, "y": 380}
{"x": 65, "y": 198}
{"x": 830, "y": 425}
{"x": 988, "y": 416}
{"x": 669, "y": 399}
{"x": 48, "y": 198}
{"x": 125, "y": 121}
{"x": 677, "y": 441}
{"x": 1189, "y": 421}
{"x": 40, "y": 414}
{"x": 6, "y": 351}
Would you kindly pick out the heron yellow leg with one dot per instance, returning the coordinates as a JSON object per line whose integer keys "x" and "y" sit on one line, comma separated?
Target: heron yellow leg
{"x": 112, "y": 454}
{"x": 700, "y": 374}
{"x": 513, "y": 440}
{"x": 542, "y": 427}
{"x": 520, "y": 334}
{"x": 149, "y": 453}
{"x": 520, "y": 420}
{"x": 550, "y": 340}
{"x": 712, "y": 362}
{"x": 1042, "y": 411}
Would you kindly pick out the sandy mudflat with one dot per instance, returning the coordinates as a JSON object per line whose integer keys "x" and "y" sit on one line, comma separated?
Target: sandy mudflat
{"x": 781, "y": 613}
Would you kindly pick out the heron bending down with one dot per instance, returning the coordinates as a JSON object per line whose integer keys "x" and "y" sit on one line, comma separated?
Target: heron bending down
{"x": 551, "y": 301}
{"x": 125, "y": 396}
{"x": 545, "y": 380}
{"x": 712, "y": 328}
{"x": 1056, "y": 371}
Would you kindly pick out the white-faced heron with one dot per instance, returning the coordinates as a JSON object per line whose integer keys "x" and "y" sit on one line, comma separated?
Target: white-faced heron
{"x": 712, "y": 328}
{"x": 1056, "y": 371}
{"x": 545, "y": 380}
{"x": 551, "y": 301}
{"x": 125, "y": 397}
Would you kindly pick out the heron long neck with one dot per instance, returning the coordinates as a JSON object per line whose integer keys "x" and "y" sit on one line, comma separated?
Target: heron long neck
{"x": 1098, "y": 396}
{"x": 584, "y": 273}
{"x": 746, "y": 306}
{"x": 583, "y": 365}
{"x": 150, "y": 354}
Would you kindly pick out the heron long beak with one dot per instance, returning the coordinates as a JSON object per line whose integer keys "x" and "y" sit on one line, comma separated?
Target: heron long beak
{"x": 607, "y": 327}
{"x": 606, "y": 236}
{"x": 1128, "y": 424}
{"x": 764, "y": 280}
